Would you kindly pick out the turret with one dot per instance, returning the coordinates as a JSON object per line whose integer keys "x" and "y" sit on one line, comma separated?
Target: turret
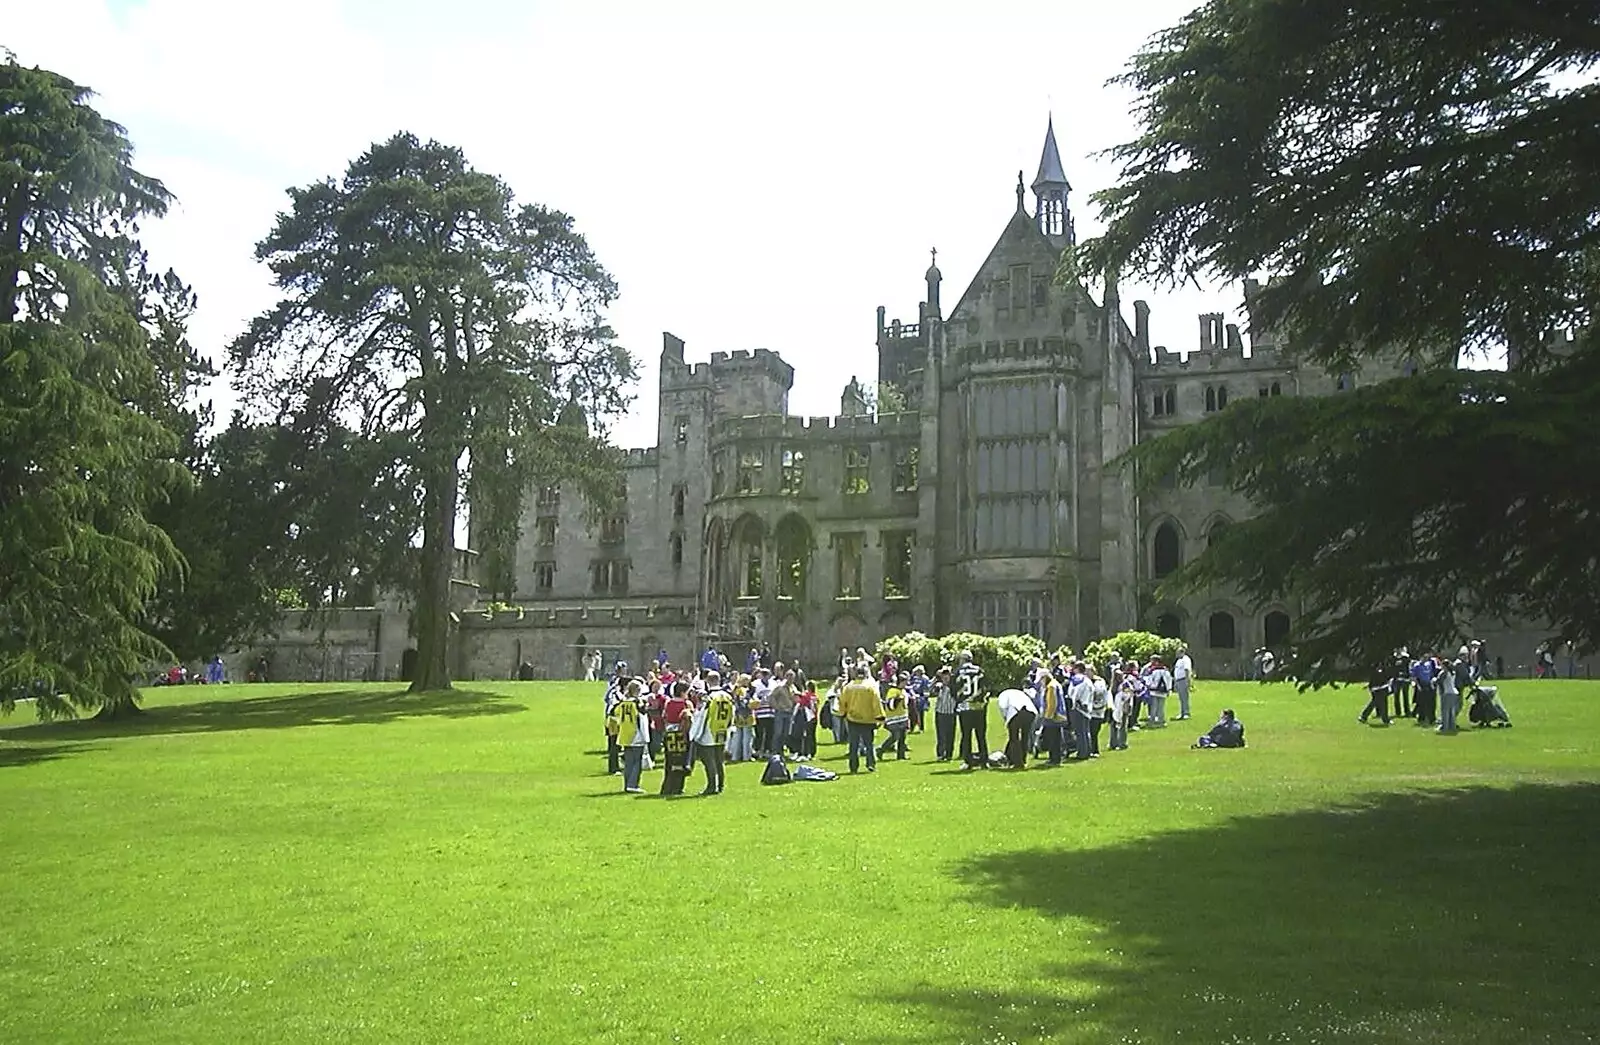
{"x": 1050, "y": 189}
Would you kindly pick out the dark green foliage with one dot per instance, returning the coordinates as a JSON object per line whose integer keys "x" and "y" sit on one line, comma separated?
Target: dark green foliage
{"x": 1404, "y": 510}
{"x": 428, "y": 312}
{"x": 1005, "y": 659}
{"x": 1419, "y": 177}
{"x": 84, "y": 455}
{"x": 1417, "y": 174}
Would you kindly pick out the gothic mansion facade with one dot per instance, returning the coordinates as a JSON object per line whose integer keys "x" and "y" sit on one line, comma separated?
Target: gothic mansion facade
{"x": 985, "y": 504}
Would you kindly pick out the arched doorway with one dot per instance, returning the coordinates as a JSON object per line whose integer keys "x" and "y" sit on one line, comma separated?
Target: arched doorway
{"x": 1221, "y": 631}
{"x": 1275, "y": 630}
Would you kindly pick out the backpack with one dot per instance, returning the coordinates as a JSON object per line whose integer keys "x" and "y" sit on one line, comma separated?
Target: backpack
{"x": 776, "y": 772}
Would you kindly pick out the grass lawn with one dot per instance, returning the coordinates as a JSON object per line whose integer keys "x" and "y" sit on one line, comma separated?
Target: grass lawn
{"x": 351, "y": 864}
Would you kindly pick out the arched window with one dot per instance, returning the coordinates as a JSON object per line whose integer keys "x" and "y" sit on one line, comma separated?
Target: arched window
{"x": 1220, "y": 631}
{"x": 1277, "y": 389}
{"x": 1211, "y": 400}
{"x": 1165, "y": 550}
{"x": 1275, "y": 630}
{"x": 1216, "y": 531}
{"x": 748, "y": 541}
{"x": 1169, "y": 626}
{"x": 677, "y": 550}
{"x": 794, "y": 557}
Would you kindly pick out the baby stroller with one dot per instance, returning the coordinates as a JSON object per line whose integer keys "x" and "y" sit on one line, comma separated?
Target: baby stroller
{"x": 1486, "y": 709}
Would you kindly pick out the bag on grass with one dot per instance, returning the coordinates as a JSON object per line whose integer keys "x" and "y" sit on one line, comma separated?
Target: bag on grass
{"x": 805, "y": 772}
{"x": 776, "y": 772}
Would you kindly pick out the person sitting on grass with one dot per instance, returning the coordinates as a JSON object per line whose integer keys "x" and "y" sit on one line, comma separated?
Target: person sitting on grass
{"x": 1228, "y": 732}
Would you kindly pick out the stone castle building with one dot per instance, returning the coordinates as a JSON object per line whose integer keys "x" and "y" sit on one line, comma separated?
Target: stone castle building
{"x": 976, "y": 496}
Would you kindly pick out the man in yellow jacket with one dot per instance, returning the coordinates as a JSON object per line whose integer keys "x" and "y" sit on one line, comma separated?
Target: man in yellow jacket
{"x": 862, "y": 708}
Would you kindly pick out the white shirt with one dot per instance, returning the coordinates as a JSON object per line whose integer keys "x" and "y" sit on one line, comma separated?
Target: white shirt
{"x": 1080, "y": 693}
{"x": 1012, "y": 701}
{"x": 1099, "y": 698}
{"x": 1183, "y": 668}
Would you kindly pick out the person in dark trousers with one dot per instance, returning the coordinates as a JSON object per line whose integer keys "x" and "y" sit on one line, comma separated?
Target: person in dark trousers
{"x": 1402, "y": 683}
{"x": 1227, "y": 733}
{"x": 615, "y": 690}
{"x": 944, "y": 715}
{"x": 972, "y": 711}
{"x": 710, "y": 746}
{"x": 863, "y": 711}
{"x": 1016, "y": 707}
{"x": 1424, "y": 673}
{"x": 1379, "y": 683}
{"x": 896, "y": 717}
{"x": 1057, "y": 717}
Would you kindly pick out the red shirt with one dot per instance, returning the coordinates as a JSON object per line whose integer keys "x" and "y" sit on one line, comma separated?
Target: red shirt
{"x": 676, "y": 709}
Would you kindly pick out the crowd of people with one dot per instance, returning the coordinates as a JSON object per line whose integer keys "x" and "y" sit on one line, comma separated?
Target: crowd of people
{"x": 1430, "y": 689}
{"x": 709, "y": 714}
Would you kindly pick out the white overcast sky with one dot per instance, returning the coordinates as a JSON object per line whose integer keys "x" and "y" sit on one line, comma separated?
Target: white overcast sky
{"x": 754, "y": 175}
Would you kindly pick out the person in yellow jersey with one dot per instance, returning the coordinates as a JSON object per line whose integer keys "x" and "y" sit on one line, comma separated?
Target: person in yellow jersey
{"x": 714, "y": 732}
{"x": 1057, "y": 717}
{"x": 896, "y": 716}
{"x": 863, "y": 713}
{"x": 633, "y": 733}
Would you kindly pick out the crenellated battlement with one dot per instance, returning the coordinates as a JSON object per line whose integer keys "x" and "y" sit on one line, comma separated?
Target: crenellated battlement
{"x": 722, "y": 367}
{"x": 641, "y": 457}
{"x": 779, "y": 426}
{"x": 1220, "y": 348}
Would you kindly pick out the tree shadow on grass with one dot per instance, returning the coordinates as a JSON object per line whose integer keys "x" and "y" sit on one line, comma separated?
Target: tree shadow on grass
{"x": 317, "y": 708}
{"x": 1465, "y": 915}
{"x": 28, "y": 754}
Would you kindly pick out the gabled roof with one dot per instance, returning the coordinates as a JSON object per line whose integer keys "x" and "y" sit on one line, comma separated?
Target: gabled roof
{"x": 1050, "y": 170}
{"x": 1021, "y": 242}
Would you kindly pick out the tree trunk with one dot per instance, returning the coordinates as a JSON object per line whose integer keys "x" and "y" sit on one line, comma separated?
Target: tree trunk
{"x": 119, "y": 707}
{"x": 433, "y": 589}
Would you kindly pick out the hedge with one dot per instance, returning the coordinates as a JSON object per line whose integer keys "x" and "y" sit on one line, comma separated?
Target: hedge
{"x": 1005, "y": 659}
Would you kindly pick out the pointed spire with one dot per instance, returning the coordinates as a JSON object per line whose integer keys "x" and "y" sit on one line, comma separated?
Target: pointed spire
{"x": 1051, "y": 172}
{"x": 1050, "y": 189}
{"x": 1022, "y": 193}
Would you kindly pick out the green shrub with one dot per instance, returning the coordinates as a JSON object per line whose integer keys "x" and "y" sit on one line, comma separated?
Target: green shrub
{"x": 1005, "y": 659}
{"x": 1132, "y": 645}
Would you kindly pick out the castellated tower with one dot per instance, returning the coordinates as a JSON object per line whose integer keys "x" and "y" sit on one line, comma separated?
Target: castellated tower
{"x": 1030, "y": 388}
